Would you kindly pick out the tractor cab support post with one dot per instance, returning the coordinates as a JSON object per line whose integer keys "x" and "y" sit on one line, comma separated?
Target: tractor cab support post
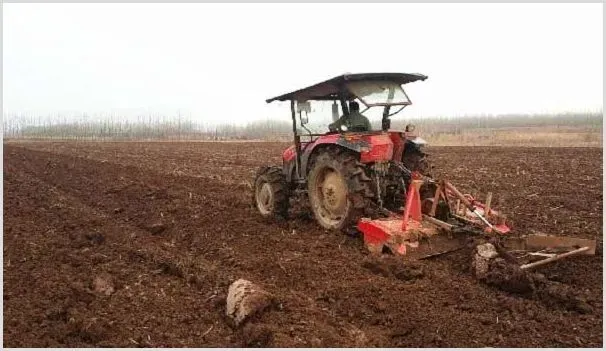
{"x": 385, "y": 124}
{"x": 343, "y": 101}
{"x": 297, "y": 140}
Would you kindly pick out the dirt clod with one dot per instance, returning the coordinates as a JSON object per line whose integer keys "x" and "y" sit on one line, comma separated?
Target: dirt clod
{"x": 171, "y": 268}
{"x": 377, "y": 267}
{"x": 394, "y": 267}
{"x": 103, "y": 284}
{"x": 409, "y": 273}
{"x": 256, "y": 336}
{"x": 509, "y": 277}
{"x": 156, "y": 228}
{"x": 95, "y": 238}
{"x": 484, "y": 254}
{"x": 358, "y": 336}
{"x": 556, "y": 294}
{"x": 245, "y": 299}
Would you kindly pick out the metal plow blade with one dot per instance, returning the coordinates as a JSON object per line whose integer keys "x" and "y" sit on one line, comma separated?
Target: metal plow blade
{"x": 535, "y": 250}
{"x": 420, "y": 240}
{"x": 467, "y": 209}
{"x": 414, "y": 234}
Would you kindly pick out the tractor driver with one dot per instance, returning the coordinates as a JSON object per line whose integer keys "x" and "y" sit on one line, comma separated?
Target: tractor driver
{"x": 355, "y": 121}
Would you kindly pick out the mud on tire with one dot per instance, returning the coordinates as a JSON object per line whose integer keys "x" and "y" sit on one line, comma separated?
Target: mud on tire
{"x": 416, "y": 160}
{"x": 270, "y": 193}
{"x": 339, "y": 171}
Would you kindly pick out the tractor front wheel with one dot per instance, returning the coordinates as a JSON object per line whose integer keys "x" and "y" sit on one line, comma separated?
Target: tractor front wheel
{"x": 270, "y": 194}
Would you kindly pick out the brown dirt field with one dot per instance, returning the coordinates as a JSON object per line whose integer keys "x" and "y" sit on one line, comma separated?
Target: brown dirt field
{"x": 170, "y": 226}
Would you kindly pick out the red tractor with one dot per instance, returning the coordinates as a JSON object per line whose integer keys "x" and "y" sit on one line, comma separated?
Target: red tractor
{"x": 376, "y": 182}
{"x": 345, "y": 174}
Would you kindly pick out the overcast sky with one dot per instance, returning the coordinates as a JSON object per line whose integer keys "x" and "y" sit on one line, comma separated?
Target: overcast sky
{"x": 219, "y": 62}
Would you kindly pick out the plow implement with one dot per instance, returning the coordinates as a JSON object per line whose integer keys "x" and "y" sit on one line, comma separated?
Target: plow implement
{"x": 450, "y": 221}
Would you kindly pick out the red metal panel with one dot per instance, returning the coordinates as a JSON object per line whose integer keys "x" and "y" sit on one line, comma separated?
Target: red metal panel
{"x": 380, "y": 148}
{"x": 327, "y": 139}
{"x": 373, "y": 234}
{"x": 397, "y": 138}
{"x": 413, "y": 205}
{"x": 289, "y": 153}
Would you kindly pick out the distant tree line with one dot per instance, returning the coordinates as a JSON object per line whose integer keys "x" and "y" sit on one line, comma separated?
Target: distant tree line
{"x": 431, "y": 125}
{"x": 23, "y": 126}
{"x": 144, "y": 128}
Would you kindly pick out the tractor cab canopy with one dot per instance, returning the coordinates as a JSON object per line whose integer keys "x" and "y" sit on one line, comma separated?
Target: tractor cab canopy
{"x": 382, "y": 90}
{"x": 373, "y": 89}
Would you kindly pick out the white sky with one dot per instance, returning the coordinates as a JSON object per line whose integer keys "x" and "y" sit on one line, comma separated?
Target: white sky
{"x": 219, "y": 62}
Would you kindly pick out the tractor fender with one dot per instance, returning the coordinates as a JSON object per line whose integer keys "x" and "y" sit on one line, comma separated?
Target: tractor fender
{"x": 375, "y": 147}
{"x": 370, "y": 148}
{"x": 288, "y": 168}
{"x": 356, "y": 146}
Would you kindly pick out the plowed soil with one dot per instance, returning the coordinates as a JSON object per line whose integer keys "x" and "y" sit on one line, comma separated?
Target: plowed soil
{"x": 135, "y": 244}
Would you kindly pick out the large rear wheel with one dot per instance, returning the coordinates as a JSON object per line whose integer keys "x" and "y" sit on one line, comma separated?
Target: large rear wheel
{"x": 338, "y": 189}
{"x": 270, "y": 194}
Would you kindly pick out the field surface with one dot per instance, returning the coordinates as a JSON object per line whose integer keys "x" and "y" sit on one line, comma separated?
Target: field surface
{"x": 168, "y": 226}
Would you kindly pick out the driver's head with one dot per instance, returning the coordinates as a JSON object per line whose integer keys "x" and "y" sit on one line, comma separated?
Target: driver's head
{"x": 354, "y": 107}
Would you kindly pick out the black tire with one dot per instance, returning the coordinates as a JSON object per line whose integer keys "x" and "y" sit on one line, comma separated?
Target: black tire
{"x": 339, "y": 189}
{"x": 415, "y": 159}
{"x": 271, "y": 193}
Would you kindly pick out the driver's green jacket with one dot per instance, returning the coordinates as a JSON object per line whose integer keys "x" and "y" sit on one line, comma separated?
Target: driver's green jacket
{"x": 354, "y": 122}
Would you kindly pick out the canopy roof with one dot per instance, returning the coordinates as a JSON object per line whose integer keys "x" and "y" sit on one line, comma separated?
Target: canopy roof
{"x": 329, "y": 90}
